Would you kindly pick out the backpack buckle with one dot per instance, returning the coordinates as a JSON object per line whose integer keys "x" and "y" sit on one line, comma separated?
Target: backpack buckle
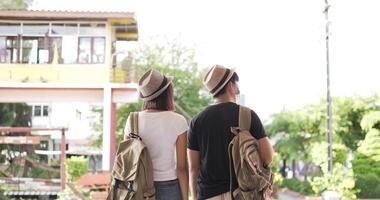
{"x": 135, "y": 136}
{"x": 130, "y": 186}
{"x": 235, "y": 130}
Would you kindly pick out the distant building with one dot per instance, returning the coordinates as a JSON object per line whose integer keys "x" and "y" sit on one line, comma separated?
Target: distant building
{"x": 58, "y": 57}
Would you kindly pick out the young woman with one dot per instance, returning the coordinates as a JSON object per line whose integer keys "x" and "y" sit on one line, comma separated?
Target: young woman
{"x": 164, "y": 132}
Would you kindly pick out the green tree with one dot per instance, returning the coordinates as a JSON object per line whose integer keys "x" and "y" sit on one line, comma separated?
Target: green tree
{"x": 15, "y": 4}
{"x": 174, "y": 59}
{"x": 297, "y": 131}
{"x": 348, "y": 113}
{"x": 177, "y": 60}
{"x": 366, "y": 164}
{"x": 15, "y": 115}
{"x": 302, "y": 129}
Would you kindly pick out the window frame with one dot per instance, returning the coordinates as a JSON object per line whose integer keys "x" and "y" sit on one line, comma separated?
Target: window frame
{"x": 20, "y": 38}
{"x": 42, "y": 106}
{"x": 92, "y": 52}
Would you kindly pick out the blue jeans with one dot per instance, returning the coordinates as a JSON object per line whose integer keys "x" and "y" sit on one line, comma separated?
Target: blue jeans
{"x": 168, "y": 190}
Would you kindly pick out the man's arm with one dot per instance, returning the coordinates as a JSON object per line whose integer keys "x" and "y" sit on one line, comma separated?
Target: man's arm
{"x": 194, "y": 171}
{"x": 266, "y": 151}
{"x": 182, "y": 168}
{"x": 265, "y": 147}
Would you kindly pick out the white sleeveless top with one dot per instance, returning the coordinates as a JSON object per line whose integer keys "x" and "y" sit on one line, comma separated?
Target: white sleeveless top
{"x": 159, "y": 132}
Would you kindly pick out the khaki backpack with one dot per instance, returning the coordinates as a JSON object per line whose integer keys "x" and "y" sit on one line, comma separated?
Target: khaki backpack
{"x": 132, "y": 173}
{"x": 254, "y": 180}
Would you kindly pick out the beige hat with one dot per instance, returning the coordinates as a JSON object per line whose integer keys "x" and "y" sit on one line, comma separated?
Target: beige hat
{"x": 216, "y": 78}
{"x": 152, "y": 84}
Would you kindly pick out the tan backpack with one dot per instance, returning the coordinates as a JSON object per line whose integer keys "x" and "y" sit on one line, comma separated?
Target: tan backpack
{"x": 254, "y": 180}
{"x": 132, "y": 173}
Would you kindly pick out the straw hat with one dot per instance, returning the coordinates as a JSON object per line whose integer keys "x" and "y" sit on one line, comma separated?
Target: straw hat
{"x": 152, "y": 84}
{"x": 216, "y": 78}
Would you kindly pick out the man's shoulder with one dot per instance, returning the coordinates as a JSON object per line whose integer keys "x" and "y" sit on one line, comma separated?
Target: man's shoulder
{"x": 215, "y": 109}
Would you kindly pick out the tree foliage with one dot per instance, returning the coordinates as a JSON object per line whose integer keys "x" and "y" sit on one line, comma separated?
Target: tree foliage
{"x": 341, "y": 181}
{"x": 15, "y": 115}
{"x": 366, "y": 164}
{"x": 348, "y": 113}
{"x": 15, "y": 4}
{"x": 177, "y": 60}
{"x": 174, "y": 59}
{"x": 301, "y": 135}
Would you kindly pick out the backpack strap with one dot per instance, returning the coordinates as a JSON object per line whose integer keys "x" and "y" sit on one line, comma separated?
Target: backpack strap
{"x": 134, "y": 123}
{"x": 244, "y": 118}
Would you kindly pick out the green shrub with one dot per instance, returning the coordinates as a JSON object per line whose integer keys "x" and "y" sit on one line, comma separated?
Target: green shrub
{"x": 366, "y": 165}
{"x": 34, "y": 172}
{"x": 342, "y": 181}
{"x": 369, "y": 185}
{"x": 303, "y": 187}
{"x": 76, "y": 167}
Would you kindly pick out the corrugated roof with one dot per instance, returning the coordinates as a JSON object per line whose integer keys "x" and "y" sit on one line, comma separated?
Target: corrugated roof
{"x": 63, "y": 15}
{"x": 90, "y": 179}
{"x": 30, "y": 193}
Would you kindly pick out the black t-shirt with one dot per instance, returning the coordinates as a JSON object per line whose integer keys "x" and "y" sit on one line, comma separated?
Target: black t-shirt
{"x": 210, "y": 134}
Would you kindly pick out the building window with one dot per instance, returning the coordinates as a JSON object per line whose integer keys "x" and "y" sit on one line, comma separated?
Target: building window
{"x": 8, "y": 49}
{"x": 52, "y": 43}
{"x": 93, "y": 29}
{"x": 91, "y": 50}
{"x": 45, "y": 111}
{"x": 69, "y": 49}
{"x": 35, "y": 50}
{"x": 84, "y": 50}
{"x": 64, "y": 29}
{"x": 40, "y": 110}
{"x": 10, "y": 28}
{"x": 55, "y": 50}
{"x": 98, "y": 50}
{"x": 37, "y": 111}
{"x": 35, "y": 29}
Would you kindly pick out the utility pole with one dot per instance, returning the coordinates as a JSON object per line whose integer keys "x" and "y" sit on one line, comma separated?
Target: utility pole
{"x": 329, "y": 100}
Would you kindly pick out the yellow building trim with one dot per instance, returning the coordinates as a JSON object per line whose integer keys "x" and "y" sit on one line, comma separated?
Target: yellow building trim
{"x": 128, "y": 36}
{"x": 123, "y": 21}
{"x": 96, "y": 73}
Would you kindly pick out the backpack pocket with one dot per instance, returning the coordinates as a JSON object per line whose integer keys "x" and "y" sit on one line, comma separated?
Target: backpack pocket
{"x": 121, "y": 190}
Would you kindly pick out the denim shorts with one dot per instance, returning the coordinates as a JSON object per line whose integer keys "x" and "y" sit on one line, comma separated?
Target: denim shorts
{"x": 168, "y": 190}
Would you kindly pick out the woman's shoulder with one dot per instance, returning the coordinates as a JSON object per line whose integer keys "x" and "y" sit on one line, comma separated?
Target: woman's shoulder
{"x": 175, "y": 115}
{"x": 166, "y": 114}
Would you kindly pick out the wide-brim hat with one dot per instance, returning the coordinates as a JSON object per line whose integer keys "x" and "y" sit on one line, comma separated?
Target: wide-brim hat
{"x": 152, "y": 84}
{"x": 216, "y": 78}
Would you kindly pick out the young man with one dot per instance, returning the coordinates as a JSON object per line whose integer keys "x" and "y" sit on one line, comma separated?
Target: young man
{"x": 210, "y": 135}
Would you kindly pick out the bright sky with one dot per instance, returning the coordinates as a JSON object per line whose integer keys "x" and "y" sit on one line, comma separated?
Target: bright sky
{"x": 277, "y": 46}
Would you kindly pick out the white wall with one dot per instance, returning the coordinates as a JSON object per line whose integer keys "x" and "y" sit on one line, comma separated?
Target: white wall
{"x": 78, "y": 117}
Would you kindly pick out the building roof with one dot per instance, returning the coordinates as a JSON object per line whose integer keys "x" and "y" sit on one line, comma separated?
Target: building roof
{"x": 30, "y": 193}
{"x": 94, "y": 180}
{"x": 64, "y": 15}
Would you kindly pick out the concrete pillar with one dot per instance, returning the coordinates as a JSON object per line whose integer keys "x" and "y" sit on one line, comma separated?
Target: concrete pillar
{"x": 50, "y": 148}
{"x": 63, "y": 160}
{"x": 109, "y": 130}
{"x": 113, "y": 135}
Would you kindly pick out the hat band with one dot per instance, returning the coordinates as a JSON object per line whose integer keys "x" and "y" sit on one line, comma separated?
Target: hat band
{"x": 221, "y": 81}
{"x": 164, "y": 82}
